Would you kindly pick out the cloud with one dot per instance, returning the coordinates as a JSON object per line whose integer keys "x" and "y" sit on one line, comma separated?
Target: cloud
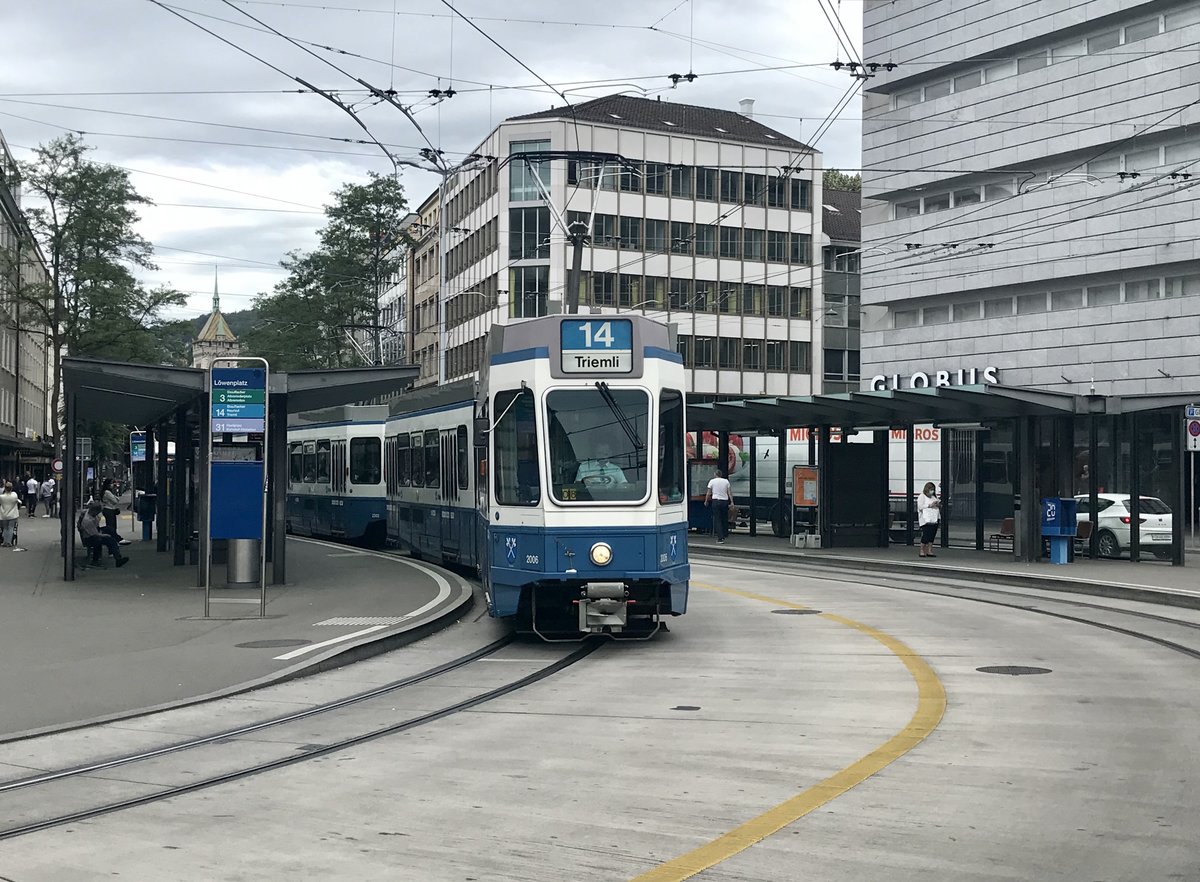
{"x": 121, "y": 46}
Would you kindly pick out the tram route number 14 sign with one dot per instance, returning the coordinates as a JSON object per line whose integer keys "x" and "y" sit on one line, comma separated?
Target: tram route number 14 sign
{"x": 591, "y": 346}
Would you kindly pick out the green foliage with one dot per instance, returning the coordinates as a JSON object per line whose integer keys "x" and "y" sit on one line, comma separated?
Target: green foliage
{"x": 85, "y": 224}
{"x": 837, "y": 180}
{"x": 334, "y": 289}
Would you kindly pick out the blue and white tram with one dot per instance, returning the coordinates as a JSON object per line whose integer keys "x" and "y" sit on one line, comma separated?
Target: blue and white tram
{"x": 585, "y": 501}
{"x": 335, "y": 474}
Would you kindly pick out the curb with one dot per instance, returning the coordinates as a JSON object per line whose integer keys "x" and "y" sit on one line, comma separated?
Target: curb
{"x": 375, "y": 644}
{"x": 1113, "y": 590}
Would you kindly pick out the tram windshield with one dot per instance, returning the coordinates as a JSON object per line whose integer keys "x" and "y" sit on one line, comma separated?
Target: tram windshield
{"x": 598, "y": 450}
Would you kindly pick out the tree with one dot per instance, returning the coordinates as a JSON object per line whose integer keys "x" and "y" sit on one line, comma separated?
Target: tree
{"x": 93, "y": 304}
{"x": 331, "y": 292}
{"x": 837, "y": 180}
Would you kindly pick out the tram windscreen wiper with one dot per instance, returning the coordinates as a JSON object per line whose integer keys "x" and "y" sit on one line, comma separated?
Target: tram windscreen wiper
{"x": 622, "y": 417}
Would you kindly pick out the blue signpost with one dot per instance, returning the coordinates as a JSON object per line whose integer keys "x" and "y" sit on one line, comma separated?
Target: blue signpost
{"x": 1059, "y": 525}
{"x": 237, "y": 486}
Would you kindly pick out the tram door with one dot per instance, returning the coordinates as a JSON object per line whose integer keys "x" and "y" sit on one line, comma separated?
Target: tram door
{"x": 449, "y": 495}
{"x": 337, "y": 488}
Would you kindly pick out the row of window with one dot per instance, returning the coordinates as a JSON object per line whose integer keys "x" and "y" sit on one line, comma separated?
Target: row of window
{"x": 842, "y": 365}
{"x": 627, "y": 291}
{"x": 842, "y": 258}
{"x": 1051, "y": 301}
{"x": 466, "y": 305}
{"x": 792, "y": 356}
{"x": 475, "y": 193}
{"x": 702, "y": 240}
{"x": 1097, "y": 43}
{"x": 466, "y": 358}
{"x": 843, "y": 311}
{"x": 478, "y": 244}
{"x": 415, "y": 460}
{"x": 694, "y": 182}
{"x": 1161, "y": 158}
{"x": 312, "y": 462}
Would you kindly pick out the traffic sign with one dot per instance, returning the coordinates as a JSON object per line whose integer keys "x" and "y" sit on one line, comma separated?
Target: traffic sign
{"x": 1192, "y": 411}
{"x": 57, "y": 465}
{"x": 83, "y": 447}
{"x": 1193, "y": 434}
{"x": 137, "y": 447}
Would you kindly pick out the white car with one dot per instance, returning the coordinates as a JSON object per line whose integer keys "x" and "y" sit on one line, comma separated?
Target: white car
{"x": 1112, "y": 523}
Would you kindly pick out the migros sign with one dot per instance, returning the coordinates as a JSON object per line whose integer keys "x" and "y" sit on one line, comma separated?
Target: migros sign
{"x": 988, "y": 376}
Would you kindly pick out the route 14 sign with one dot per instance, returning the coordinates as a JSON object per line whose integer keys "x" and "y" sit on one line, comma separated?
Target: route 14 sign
{"x": 597, "y": 346}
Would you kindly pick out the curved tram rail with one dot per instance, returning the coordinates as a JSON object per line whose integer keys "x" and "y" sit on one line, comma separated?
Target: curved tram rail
{"x": 45, "y": 789}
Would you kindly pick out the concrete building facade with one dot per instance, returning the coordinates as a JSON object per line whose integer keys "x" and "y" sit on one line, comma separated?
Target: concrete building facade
{"x": 696, "y": 216}
{"x": 841, "y": 258}
{"x": 1030, "y": 195}
{"x": 25, "y": 423}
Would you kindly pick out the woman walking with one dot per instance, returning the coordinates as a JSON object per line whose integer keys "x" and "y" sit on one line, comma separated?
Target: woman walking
{"x": 10, "y": 513}
{"x": 928, "y": 515}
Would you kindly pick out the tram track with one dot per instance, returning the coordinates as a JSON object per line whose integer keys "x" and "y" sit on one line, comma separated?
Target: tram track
{"x": 70, "y": 787}
{"x": 872, "y": 580}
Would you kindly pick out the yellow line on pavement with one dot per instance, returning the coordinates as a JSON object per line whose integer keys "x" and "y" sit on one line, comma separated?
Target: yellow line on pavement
{"x": 931, "y": 705}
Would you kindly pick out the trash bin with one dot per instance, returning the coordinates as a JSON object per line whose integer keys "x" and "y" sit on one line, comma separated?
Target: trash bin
{"x": 146, "y": 510}
{"x": 243, "y": 564}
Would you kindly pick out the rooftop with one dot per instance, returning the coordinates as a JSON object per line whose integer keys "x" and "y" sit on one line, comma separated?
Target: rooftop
{"x": 627, "y": 112}
{"x": 216, "y": 330}
{"x": 841, "y": 217}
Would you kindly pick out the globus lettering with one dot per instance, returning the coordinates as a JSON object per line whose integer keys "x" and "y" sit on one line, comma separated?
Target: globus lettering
{"x": 989, "y": 376}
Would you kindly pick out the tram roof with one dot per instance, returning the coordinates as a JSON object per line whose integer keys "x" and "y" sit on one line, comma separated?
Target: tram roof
{"x": 899, "y": 408}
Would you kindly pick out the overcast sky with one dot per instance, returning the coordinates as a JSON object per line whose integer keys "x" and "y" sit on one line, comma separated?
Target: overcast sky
{"x": 94, "y": 67}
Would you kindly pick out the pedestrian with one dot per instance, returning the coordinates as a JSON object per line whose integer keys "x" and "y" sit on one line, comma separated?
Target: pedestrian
{"x": 46, "y": 491}
{"x": 94, "y": 540}
{"x": 928, "y": 515}
{"x": 718, "y": 497}
{"x": 110, "y": 503}
{"x": 31, "y": 494}
{"x": 10, "y": 513}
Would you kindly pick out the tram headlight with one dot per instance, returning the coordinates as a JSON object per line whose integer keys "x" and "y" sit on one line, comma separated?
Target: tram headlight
{"x": 601, "y": 554}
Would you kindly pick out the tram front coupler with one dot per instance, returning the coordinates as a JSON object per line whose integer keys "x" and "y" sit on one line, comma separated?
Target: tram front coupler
{"x": 603, "y": 607}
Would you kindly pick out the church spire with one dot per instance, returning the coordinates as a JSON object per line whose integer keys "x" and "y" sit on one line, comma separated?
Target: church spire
{"x": 216, "y": 292}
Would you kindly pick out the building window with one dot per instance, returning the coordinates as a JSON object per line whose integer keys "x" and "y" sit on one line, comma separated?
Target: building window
{"x": 528, "y": 233}
{"x": 799, "y": 357}
{"x": 1072, "y": 299}
{"x": 631, "y": 177}
{"x": 752, "y": 297}
{"x": 1180, "y": 286}
{"x": 731, "y": 244}
{"x": 1104, "y": 42}
{"x": 940, "y": 89}
{"x": 800, "y": 303}
{"x": 704, "y": 353}
{"x": 911, "y": 208}
{"x": 835, "y": 364}
{"x": 1141, "y": 290}
{"x": 1141, "y": 30}
{"x": 706, "y": 240}
{"x": 968, "y": 196}
{"x": 754, "y": 189}
{"x": 681, "y": 181}
{"x": 684, "y": 347}
{"x": 966, "y": 312}
{"x": 752, "y": 244}
{"x": 656, "y": 179}
{"x": 656, "y": 236}
{"x": 842, "y": 259}
{"x": 1036, "y": 61}
{"x": 775, "y": 351}
{"x": 777, "y": 192}
{"x": 681, "y": 237}
{"x": 630, "y": 290}
{"x": 752, "y": 355}
{"x": 1028, "y": 304}
{"x": 523, "y": 175}
{"x": 703, "y": 300}
{"x": 801, "y": 250}
{"x": 654, "y": 292}
{"x": 528, "y": 287}
{"x": 706, "y": 183}
{"x": 997, "y": 308}
{"x": 968, "y": 81}
{"x": 907, "y": 98}
{"x": 631, "y": 233}
{"x": 998, "y": 191}
{"x": 777, "y": 246}
{"x": 731, "y": 292}
{"x": 680, "y": 294}
{"x": 937, "y": 202}
{"x": 936, "y": 315}
{"x": 731, "y": 186}
{"x": 729, "y": 352}
{"x": 776, "y": 299}
{"x": 801, "y": 194}
{"x": 604, "y": 230}
{"x": 604, "y": 289}
{"x": 905, "y": 318}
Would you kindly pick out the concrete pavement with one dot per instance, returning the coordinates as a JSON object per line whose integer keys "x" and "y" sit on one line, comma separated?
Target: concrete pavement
{"x": 117, "y": 641}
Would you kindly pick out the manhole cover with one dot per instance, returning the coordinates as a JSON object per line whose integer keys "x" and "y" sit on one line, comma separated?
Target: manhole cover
{"x": 688, "y": 707}
{"x": 272, "y": 644}
{"x": 796, "y": 612}
{"x": 1012, "y": 670}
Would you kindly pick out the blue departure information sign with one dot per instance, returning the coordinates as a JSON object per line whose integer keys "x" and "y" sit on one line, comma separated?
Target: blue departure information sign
{"x": 239, "y": 400}
{"x": 597, "y": 345}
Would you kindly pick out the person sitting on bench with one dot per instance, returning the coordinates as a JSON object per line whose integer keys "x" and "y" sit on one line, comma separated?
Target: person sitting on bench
{"x": 94, "y": 540}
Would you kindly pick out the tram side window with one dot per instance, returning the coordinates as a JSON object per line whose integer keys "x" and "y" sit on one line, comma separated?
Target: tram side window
{"x": 433, "y": 459}
{"x": 670, "y": 447}
{"x": 364, "y": 461}
{"x": 402, "y": 459}
{"x": 296, "y": 463}
{"x": 322, "y": 462}
{"x": 418, "y": 460}
{"x": 310, "y": 462}
{"x": 464, "y": 458}
{"x": 514, "y": 436}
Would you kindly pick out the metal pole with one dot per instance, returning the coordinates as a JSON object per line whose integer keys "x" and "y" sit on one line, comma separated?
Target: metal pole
{"x": 571, "y": 301}
{"x": 910, "y": 482}
{"x": 183, "y": 443}
{"x": 69, "y": 502}
{"x": 277, "y": 435}
{"x": 753, "y": 485}
{"x": 441, "y": 289}
{"x": 160, "y": 512}
{"x": 1192, "y": 494}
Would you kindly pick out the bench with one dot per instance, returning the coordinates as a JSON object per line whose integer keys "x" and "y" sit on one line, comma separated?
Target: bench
{"x": 1007, "y": 534}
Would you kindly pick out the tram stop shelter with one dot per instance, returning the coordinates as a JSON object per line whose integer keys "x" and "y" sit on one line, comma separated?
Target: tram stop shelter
{"x": 1003, "y": 449}
{"x": 172, "y": 404}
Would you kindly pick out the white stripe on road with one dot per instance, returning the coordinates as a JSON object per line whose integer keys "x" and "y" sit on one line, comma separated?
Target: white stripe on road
{"x": 305, "y": 649}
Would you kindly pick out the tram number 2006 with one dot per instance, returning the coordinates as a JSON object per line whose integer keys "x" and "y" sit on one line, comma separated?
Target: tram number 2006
{"x": 531, "y": 559}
